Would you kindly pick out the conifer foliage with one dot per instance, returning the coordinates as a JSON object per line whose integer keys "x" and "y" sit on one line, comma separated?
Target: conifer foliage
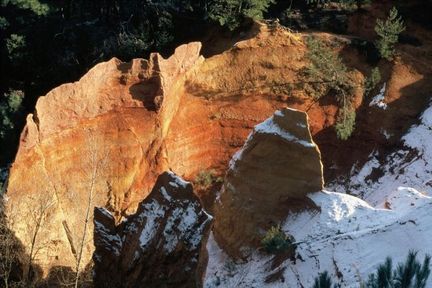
{"x": 324, "y": 281}
{"x": 327, "y": 74}
{"x": 409, "y": 274}
{"x": 276, "y": 241}
{"x": 388, "y": 32}
{"x": 230, "y": 13}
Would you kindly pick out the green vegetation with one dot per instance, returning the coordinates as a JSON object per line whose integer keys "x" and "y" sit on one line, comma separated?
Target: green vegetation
{"x": 276, "y": 241}
{"x": 15, "y": 45}
{"x": 205, "y": 179}
{"x": 47, "y": 43}
{"x": 326, "y": 74}
{"x": 326, "y": 71}
{"x": 9, "y": 108}
{"x": 373, "y": 80}
{"x": 34, "y": 6}
{"x": 358, "y": 3}
{"x": 231, "y": 13}
{"x": 410, "y": 274}
{"x": 324, "y": 281}
{"x": 388, "y": 33}
{"x": 345, "y": 123}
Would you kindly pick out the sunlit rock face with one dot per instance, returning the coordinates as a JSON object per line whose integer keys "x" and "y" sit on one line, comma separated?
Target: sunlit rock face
{"x": 272, "y": 174}
{"x": 95, "y": 142}
{"x": 159, "y": 246}
{"x": 122, "y": 124}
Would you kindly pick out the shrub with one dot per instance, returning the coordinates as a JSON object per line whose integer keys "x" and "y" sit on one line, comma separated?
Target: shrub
{"x": 230, "y": 13}
{"x": 326, "y": 74}
{"x": 9, "y": 107}
{"x": 358, "y": 3}
{"x": 324, "y": 281}
{"x": 207, "y": 178}
{"x": 388, "y": 33}
{"x": 345, "y": 123}
{"x": 373, "y": 80}
{"x": 129, "y": 45}
{"x": 276, "y": 241}
{"x": 326, "y": 69}
{"x": 411, "y": 274}
{"x": 15, "y": 46}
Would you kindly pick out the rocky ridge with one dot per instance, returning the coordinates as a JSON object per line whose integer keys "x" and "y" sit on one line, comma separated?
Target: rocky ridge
{"x": 158, "y": 246}
{"x": 114, "y": 131}
{"x": 129, "y": 122}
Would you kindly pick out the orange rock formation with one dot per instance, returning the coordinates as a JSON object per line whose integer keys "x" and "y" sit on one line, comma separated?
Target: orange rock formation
{"x": 110, "y": 134}
{"x": 269, "y": 177}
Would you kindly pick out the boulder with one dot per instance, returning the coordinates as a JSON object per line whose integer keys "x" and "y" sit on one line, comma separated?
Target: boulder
{"x": 278, "y": 166}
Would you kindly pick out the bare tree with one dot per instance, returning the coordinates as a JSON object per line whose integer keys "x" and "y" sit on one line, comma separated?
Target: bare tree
{"x": 97, "y": 159}
{"x": 38, "y": 207}
{"x": 12, "y": 252}
{"x": 9, "y": 250}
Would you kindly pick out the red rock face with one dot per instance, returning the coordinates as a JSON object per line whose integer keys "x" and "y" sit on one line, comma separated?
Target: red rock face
{"x": 159, "y": 245}
{"x": 123, "y": 124}
{"x": 269, "y": 177}
{"x": 106, "y": 132}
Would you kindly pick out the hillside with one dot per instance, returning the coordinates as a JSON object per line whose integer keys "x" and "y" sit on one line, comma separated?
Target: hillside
{"x": 261, "y": 154}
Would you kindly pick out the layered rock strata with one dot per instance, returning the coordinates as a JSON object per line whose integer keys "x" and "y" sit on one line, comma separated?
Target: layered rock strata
{"x": 122, "y": 124}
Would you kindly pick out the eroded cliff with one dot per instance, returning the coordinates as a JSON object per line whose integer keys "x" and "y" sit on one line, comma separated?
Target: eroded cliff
{"x": 114, "y": 131}
{"x": 272, "y": 174}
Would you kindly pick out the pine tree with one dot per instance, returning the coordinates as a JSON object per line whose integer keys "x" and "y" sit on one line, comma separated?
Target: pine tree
{"x": 323, "y": 281}
{"x": 373, "y": 80}
{"x": 410, "y": 274}
{"x": 388, "y": 33}
{"x": 230, "y": 13}
{"x": 423, "y": 273}
{"x": 383, "y": 277}
{"x": 327, "y": 73}
{"x": 9, "y": 109}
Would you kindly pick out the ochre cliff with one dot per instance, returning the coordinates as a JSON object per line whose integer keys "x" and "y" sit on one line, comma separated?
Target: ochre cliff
{"x": 278, "y": 166}
{"x": 102, "y": 135}
{"x": 111, "y": 134}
